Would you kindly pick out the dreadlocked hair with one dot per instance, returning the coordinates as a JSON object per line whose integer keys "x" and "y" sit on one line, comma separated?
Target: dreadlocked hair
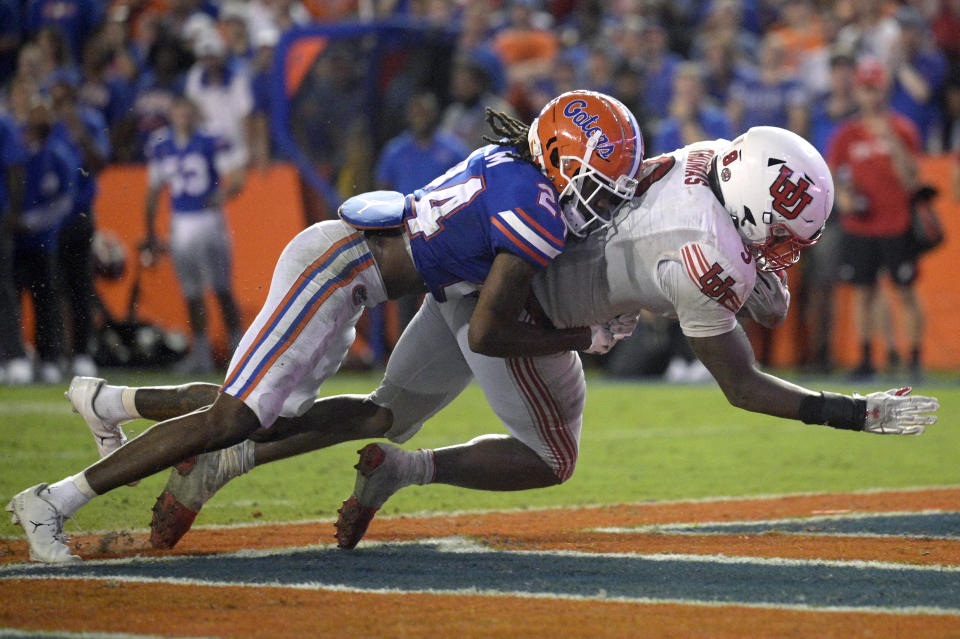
{"x": 510, "y": 132}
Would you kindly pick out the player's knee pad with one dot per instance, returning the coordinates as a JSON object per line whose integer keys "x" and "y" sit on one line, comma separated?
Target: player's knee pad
{"x": 408, "y": 408}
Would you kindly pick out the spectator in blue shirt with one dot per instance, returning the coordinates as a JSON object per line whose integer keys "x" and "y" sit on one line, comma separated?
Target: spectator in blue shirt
{"x": 692, "y": 116}
{"x": 15, "y": 367}
{"x": 84, "y": 131}
{"x": 75, "y": 19}
{"x": 49, "y": 192}
{"x": 658, "y": 64}
{"x": 414, "y": 158}
{"x": 409, "y": 161}
{"x": 919, "y": 72}
{"x": 821, "y": 264}
{"x": 833, "y": 107}
{"x": 768, "y": 95}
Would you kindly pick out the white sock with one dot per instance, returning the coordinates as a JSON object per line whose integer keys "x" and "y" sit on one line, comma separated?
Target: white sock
{"x": 115, "y": 403}
{"x": 424, "y": 466}
{"x": 236, "y": 460}
{"x": 70, "y": 494}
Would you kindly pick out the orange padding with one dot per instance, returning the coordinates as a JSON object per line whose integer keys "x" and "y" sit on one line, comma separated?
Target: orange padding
{"x": 262, "y": 219}
{"x": 937, "y": 288}
{"x": 269, "y": 212}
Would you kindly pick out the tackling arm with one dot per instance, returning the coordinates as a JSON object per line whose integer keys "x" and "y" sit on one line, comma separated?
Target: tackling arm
{"x": 729, "y": 357}
{"x": 495, "y": 327}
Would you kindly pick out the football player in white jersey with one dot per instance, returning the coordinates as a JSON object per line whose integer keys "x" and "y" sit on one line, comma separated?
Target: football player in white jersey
{"x": 705, "y": 238}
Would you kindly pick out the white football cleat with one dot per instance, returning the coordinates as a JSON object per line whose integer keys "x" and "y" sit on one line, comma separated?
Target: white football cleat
{"x": 82, "y": 392}
{"x": 20, "y": 371}
{"x": 43, "y": 524}
{"x": 49, "y": 373}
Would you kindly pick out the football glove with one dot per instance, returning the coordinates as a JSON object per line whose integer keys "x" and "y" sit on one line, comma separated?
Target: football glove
{"x": 892, "y": 412}
{"x": 604, "y": 336}
{"x": 769, "y": 300}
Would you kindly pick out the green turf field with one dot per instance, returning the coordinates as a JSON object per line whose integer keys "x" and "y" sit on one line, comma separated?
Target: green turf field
{"x": 641, "y": 441}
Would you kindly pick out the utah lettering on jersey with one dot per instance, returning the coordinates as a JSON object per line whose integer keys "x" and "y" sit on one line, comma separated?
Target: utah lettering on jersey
{"x": 710, "y": 278}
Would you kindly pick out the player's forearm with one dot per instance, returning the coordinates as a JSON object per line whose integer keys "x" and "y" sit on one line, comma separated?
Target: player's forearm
{"x": 760, "y": 392}
{"x": 520, "y": 339}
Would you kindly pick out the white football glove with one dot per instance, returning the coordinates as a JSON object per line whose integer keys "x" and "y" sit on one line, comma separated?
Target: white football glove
{"x": 604, "y": 336}
{"x": 892, "y": 412}
{"x": 769, "y": 300}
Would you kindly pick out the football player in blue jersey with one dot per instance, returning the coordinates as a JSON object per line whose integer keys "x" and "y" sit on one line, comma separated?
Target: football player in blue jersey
{"x": 196, "y": 169}
{"x": 473, "y": 238}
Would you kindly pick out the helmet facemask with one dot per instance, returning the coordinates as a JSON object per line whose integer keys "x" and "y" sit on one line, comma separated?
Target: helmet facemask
{"x": 781, "y": 249}
{"x": 590, "y": 199}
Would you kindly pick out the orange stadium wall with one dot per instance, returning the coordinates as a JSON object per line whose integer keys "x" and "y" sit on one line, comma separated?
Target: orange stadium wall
{"x": 262, "y": 219}
{"x": 269, "y": 212}
{"x": 937, "y": 287}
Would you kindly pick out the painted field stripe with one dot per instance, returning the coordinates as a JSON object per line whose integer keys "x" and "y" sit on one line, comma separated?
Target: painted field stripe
{"x": 928, "y": 524}
{"x": 183, "y": 609}
{"x": 497, "y": 593}
{"x": 455, "y": 565}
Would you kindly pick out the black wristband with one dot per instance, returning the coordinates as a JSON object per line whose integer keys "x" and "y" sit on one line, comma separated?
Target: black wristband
{"x": 833, "y": 409}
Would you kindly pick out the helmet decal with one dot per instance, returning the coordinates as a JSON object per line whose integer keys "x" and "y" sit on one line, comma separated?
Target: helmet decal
{"x": 789, "y": 199}
{"x": 576, "y": 110}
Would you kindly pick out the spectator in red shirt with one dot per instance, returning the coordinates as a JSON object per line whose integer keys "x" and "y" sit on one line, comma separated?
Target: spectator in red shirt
{"x": 874, "y": 159}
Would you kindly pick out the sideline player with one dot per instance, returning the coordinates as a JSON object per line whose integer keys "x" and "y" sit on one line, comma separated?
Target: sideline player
{"x": 494, "y": 219}
{"x": 707, "y": 236}
{"x": 201, "y": 176}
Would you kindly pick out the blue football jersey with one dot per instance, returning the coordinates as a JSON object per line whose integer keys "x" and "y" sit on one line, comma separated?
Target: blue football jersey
{"x": 48, "y": 193}
{"x": 189, "y": 171}
{"x": 489, "y": 202}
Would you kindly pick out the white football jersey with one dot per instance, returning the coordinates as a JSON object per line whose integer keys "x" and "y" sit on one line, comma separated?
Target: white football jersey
{"x": 673, "y": 251}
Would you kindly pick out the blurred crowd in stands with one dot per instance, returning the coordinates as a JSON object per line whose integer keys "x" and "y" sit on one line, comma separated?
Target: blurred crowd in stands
{"x": 84, "y": 83}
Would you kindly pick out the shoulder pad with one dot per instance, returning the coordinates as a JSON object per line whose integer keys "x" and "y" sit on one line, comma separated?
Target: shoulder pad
{"x": 373, "y": 211}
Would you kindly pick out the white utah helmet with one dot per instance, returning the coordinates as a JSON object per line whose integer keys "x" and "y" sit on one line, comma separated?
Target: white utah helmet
{"x": 778, "y": 191}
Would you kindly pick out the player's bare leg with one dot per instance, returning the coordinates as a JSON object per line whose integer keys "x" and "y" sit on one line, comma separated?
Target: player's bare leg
{"x": 226, "y": 422}
{"x": 158, "y": 403}
{"x": 191, "y": 484}
{"x": 481, "y": 464}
